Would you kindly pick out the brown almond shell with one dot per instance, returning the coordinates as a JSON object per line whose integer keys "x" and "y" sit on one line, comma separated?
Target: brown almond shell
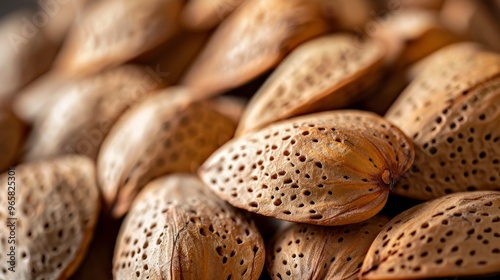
{"x": 330, "y": 168}
{"x": 177, "y": 229}
{"x": 454, "y": 235}
{"x": 164, "y": 134}
{"x": 56, "y": 208}
{"x": 451, "y": 112}
{"x": 302, "y": 251}
{"x": 255, "y": 38}
{"x": 329, "y": 72}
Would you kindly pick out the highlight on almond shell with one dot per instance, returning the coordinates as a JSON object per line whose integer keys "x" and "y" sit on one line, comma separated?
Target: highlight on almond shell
{"x": 330, "y": 168}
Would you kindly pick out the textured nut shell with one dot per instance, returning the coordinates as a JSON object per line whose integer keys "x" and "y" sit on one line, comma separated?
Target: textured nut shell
{"x": 80, "y": 119}
{"x": 455, "y": 235}
{"x": 115, "y": 31}
{"x": 11, "y": 134}
{"x": 57, "y": 205}
{"x": 22, "y": 58}
{"x": 452, "y": 112}
{"x": 331, "y": 168}
{"x": 206, "y": 14}
{"x": 164, "y": 134}
{"x": 330, "y": 72}
{"x": 251, "y": 41}
{"x": 177, "y": 229}
{"x": 316, "y": 252}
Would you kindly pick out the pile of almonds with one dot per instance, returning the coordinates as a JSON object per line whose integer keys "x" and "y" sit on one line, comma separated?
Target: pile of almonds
{"x": 250, "y": 139}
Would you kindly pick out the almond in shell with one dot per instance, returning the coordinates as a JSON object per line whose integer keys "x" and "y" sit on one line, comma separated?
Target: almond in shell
{"x": 164, "y": 134}
{"x": 455, "y": 235}
{"x": 255, "y": 38}
{"x": 56, "y": 206}
{"x": 112, "y": 32}
{"x": 452, "y": 112}
{"x": 330, "y": 72}
{"x": 83, "y": 115}
{"x": 314, "y": 252}
{"x": 177, "y": 229}
{"x": 331, "y": 168}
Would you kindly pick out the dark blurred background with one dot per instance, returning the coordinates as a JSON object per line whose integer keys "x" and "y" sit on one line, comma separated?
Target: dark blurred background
{"x": 7, "y": 6}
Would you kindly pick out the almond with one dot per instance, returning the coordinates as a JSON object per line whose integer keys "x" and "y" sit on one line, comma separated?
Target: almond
{"x": 177, "y": 229}
{"x": 230, "y": 106}
{"x": 451, "y": 111}
{"x": 25, "y": 53}
{"x": 315, "y": 252}
{"x": 11, "y": 136}
{"x": 56, "y": 206}
{"x": 80, "y": 119}
{"x": 164, "y": 134}
{"x": 251, "y": 41}
{"x": 331, "y": 168}
{"x": 206, "y": 14}
{"x": 115, "y": 31}
{"x": 455, "y": 235}
{"x": 330, "y": 72}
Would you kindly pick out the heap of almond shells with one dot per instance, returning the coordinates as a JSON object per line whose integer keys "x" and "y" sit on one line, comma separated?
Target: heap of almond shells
{"x": 251, "y": 139}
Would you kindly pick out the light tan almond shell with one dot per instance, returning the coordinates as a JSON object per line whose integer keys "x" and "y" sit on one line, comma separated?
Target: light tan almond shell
{"x": 255, "y": 38}
{"x": 177, "y": 229}
{"x": 455, "y": 235}
{"x": 332, "y": 168}
{"x": 452, "y": 112}
{"x": 11, "y": 137}
{"x": 56, "y": 206}
{"x": 81, "y": 118}
{"x": 33, "y": 101}
{"x": 164, "y": 134}
{"x": 113, "y": 32}
{"x": 206, "y": 14}
{"x": 330, "y": 72}
{"x": 25, "y": 53}
{"x": 314, "y": 252}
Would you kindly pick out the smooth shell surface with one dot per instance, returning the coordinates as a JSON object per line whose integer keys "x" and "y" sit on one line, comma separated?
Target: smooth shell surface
{"x": 452, "y": 112}
{"x": 455, "y": 235}
{"x": 83, "y": 115}
{"x": 11, "y": 135}
{"x": 56, "y": 206}
{"x": 315, "y": 252}
{"x": 177, "y": 229}
{"x": 115, "y": 31}
{"x": 329, "y": 72}
{"x": 164, "y": 134}
{"x": 331, "y": 168}
{"x": 206, "y": 14}
{"x": 251, "y": 41}
{"x": 25, "y": 53}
